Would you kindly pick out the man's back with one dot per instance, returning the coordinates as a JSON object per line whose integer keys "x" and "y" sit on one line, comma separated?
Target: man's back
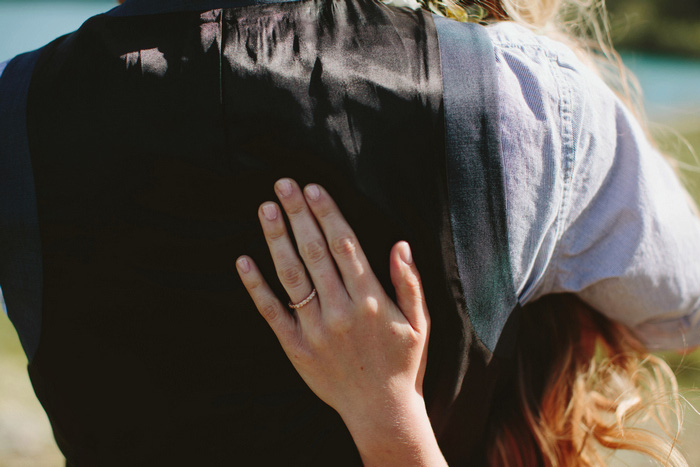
{"x": 153, "y": 138}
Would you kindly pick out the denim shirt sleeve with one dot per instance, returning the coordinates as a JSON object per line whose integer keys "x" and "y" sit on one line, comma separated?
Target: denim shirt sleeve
{"x": 593, "y": 208}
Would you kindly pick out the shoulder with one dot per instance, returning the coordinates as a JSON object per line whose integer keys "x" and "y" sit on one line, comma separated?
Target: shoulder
{"x": 511, "y": 40}
{"x": 508, "y": 34}
{"x": 544, "y": 91}
{"x": 544, "y": 66}
{"x": 593, "y": 208}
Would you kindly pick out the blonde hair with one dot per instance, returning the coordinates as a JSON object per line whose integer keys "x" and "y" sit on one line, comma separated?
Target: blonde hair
{"x": 580, "y": 24}
{"x": 583, "y": 387}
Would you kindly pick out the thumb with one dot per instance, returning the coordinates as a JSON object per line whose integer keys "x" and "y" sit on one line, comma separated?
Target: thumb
{"x": 409, "y": 288}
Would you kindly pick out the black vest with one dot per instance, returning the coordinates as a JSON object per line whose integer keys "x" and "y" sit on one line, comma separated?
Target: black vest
{"x": 138, "y": 149}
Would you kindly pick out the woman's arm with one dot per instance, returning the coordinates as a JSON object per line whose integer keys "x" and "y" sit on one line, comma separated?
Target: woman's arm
{"x": 358, "y": 351}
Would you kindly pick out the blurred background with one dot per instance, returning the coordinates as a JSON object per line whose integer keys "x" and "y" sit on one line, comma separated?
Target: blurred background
{"x": 660, "y": 43}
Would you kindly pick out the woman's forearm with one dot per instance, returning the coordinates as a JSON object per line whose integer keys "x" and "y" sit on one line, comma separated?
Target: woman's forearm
{"x": 401, "y": 437}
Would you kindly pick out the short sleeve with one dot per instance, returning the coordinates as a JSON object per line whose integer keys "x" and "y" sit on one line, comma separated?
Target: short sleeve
{"x": 592, "y": 208}
{"x": 630, "y": 244}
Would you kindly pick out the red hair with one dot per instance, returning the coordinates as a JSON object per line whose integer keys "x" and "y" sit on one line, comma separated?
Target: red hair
{"x": 582, "y": 388}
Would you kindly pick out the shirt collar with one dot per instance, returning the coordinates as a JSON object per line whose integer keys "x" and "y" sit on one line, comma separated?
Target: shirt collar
{"x": 153, "y": 7}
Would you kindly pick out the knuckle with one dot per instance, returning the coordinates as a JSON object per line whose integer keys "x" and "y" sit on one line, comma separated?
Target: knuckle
{"x": 293, "y": 276}
{"x": 345, "y": 246}
{"x": 324, "y": 210}
{"x": 276, "y": 234}
{"x": 319, "y": 338}
{"x": 254, "y": 284}
{"x": 413, "y": 282}
{"x": 294, "y": 209}
{"x": 414, "y": 339}
{"x": 414, "y": 288}
{"x": 339, "y": 323}
{"x": 370, "y": 305}
{"x": 314, "y": 251}
{"x": 269, "y": 311}
{"x": 417, "y": 282}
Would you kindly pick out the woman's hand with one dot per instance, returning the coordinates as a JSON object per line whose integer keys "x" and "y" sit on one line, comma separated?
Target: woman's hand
{"x": 358, "y": 351}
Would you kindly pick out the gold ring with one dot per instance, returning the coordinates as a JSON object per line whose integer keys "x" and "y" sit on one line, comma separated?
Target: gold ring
{"x": 296, "y": 306}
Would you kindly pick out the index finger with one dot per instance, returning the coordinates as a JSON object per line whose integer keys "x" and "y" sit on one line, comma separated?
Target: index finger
{"x": 342, "y": 242}
{"x": 280, "y": 320}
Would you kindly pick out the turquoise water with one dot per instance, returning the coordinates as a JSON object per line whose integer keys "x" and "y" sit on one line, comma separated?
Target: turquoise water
{"x": 671, "y": 85}
{"x": 27, "y": 25}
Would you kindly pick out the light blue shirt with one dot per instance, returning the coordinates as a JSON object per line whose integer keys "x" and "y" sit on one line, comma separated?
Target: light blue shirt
{"x": 592, "y": 207}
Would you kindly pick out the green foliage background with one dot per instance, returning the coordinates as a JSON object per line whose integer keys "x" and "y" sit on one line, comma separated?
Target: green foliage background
{"x": 661, "y": 26}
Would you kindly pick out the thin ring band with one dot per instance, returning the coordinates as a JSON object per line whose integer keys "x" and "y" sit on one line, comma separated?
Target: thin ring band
{"x": 296, "y": 306}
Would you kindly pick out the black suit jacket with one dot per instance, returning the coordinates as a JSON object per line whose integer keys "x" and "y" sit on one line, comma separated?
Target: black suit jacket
{"x": 140, "y": 148}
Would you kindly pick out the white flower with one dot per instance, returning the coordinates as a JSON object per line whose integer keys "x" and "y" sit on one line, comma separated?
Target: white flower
{"x": 412, "y": 4}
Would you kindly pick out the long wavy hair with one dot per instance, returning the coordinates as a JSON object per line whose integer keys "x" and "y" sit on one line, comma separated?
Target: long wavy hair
{"x": 582, "y": 388}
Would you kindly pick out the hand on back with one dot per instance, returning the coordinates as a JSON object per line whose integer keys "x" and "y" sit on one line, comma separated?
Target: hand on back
{"x": 357, "y": 350}
{"x": 351, "y": 338}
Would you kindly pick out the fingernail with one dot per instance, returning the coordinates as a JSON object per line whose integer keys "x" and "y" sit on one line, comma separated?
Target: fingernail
{"x": 270, "y": 211}
{"x": 312, "y": 192}
{"x": 243, "y": 265}
{"x": 405, "y": 253}
{"x": 284, "y": 187}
